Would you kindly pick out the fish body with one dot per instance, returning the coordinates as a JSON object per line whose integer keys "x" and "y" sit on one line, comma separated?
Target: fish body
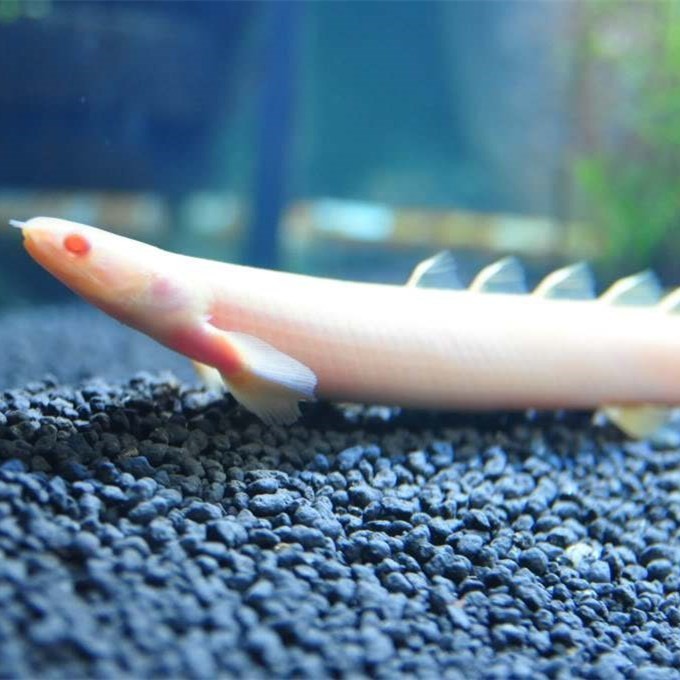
{"x": 277, "y": 338}
{"x": 452, "y": 349}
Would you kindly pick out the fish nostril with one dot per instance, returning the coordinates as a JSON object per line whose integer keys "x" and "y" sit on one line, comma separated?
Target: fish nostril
{"x": 76, "y": 244}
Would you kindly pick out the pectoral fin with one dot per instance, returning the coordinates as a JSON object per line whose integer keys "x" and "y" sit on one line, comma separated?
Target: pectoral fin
{"x": 269, "y": 383}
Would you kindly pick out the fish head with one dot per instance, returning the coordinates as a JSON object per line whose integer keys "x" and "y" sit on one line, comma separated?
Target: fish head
{"x": 111, "y": 271}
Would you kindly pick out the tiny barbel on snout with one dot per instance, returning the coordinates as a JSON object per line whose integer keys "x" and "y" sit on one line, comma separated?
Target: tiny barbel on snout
{"x": 275, "y": 339}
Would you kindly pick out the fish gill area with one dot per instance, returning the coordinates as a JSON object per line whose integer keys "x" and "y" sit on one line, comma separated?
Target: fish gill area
{"x": 149, "y": 528}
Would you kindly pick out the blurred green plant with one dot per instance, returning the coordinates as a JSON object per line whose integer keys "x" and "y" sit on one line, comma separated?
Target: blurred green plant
{"x": 628, "y": 168}
{"x": 12, "y": 10}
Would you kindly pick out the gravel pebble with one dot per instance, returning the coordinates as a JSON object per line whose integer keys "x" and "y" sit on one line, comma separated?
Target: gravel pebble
{"x": 150, "y": 528}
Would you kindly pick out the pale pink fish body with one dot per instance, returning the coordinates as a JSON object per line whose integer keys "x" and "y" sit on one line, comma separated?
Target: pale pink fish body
{"x": 277, "y": 338}
{"x": 454, "y": 349}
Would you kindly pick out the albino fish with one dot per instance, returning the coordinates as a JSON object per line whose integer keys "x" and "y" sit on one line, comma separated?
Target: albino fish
{"x": 275, "y": 339}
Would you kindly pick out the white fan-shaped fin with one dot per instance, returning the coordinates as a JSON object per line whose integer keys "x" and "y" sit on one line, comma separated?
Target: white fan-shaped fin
{"x": 671, "y": 303}
{"x": 574, "y": 282}
{"x": 438, "y": 271}
{"x": 271, "y": 383}
{"x": 270, "y": 408}
{"x": 636, "y": 290}
{"x": 641, "y": 421}
{"x": 504, "y": 276}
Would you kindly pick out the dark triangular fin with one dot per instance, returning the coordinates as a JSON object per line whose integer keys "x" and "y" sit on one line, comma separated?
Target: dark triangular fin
{"x": 637, "y": 290}
{"x": 671, "y": 303}
{"x": 574, "y": 282}
{"x": 438, "y": 271}
{"x": 504, "y": 276}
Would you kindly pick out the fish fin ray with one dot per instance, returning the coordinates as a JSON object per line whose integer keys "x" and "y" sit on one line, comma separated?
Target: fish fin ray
{"x": 271, "y": 383}
{"x": 503, "y": 276}
{"x": 574, "y": 282}
{"x": 271, "y": 407}
{"x": 438, "y": 271}
{"x": 637, "y": 290}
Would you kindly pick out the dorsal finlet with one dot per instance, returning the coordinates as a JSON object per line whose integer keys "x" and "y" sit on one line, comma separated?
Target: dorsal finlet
{"x": 637, "y": 290}
{"x": 574, "y": 282}
{"x": 503, "y": 276}
{"x": 671, "y": 303}
{"x": 438, "y": 271}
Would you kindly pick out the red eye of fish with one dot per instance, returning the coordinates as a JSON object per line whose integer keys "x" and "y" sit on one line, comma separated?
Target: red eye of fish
{"x": 76, "y": 244}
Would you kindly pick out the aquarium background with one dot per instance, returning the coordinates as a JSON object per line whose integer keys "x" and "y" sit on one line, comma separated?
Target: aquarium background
{"x": 151, "y": 527}
{"x": 346, "y": 139}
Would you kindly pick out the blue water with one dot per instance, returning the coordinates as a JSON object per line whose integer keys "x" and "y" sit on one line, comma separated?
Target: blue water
{"x": 435, "y": 105}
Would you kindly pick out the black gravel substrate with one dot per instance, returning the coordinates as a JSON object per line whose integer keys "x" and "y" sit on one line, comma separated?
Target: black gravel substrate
{"x": 151, "y": 529}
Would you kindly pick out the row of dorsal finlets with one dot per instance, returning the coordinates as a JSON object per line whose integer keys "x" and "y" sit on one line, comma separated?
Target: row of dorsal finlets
{"x": 575, "y": 282}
